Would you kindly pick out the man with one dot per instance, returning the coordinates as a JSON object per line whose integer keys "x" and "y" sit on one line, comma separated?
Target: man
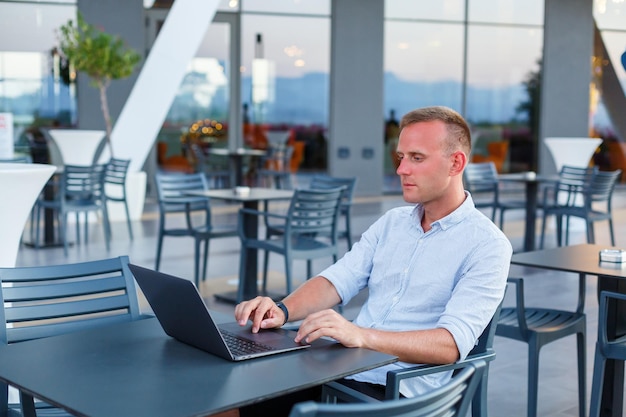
{"x": 436, "y": 271}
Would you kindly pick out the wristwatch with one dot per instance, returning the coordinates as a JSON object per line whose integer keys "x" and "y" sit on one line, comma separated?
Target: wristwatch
{"x": 285, "y": 311}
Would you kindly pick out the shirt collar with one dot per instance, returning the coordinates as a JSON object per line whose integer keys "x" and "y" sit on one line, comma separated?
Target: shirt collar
{"x": 451, "y": 219}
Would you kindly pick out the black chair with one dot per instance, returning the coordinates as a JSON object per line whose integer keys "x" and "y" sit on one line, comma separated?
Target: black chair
{"x": 81, "y": 191}
{"x": 539, "y": 326}
{"x": 115, "y": 178}
{"x": 594, "y": 188}
{"x": 451, "y": 399}
{"x": 608, "y": 346}
{"x": 481, "y": 179}
{"x": 345, "y": 211}
{"x": 483, "y": 352}
{"x": 46, "y": 301}
{"x": 309, "y": 232}
{"x": 173, "y": 199}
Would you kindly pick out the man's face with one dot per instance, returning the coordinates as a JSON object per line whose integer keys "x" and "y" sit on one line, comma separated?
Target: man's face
{"x": 423, "y": 168}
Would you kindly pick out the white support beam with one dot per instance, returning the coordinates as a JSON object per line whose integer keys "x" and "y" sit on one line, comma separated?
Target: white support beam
{"x": 143, "y": 114}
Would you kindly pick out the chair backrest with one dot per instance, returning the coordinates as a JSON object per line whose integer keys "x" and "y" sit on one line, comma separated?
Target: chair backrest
{"x": 45, "y": 301}
{"x": 619, "y": 302}
{"x": 450, "y": 400}
{"x": 480, "y": 177}
{"x": 570, "y": 184}
{"x": 314, "y": 211}
{"x": 322, "y": 182}
{"x": 116, "y": 171}
{"x": 83, "y": 182}
{"x": 485, "y": 341}
{"x": 600, "y": 187}
{"x": 172, "y": 189}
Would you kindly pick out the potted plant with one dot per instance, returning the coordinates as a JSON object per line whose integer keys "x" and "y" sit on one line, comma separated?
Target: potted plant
{"x": 102, "y": 56}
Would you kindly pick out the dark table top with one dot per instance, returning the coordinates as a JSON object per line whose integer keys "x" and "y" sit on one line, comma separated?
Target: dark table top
{"x": 134, "y": 369}
{"x": 583, "y": 258}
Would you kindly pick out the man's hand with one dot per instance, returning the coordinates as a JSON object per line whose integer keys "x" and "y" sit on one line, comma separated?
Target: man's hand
{"x": 262, "y": 311}
{"x": 331, "y": 324}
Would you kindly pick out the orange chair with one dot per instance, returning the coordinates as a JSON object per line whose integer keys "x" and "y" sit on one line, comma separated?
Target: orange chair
{"x": 176, "y": 163}
{"x": 497, "y": 153}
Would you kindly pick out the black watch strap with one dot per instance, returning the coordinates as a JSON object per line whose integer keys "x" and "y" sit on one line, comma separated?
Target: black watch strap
{"x": 285, "y": 311}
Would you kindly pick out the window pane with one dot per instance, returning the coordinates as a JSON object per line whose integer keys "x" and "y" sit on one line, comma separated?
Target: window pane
{"x": 610, "y": 14}
{"x": 453, "y": 10}
{"x": 287, "y": 6}
{"x": 32, "y": 84}
{"x": 293, "y": 68}
{"x": 423, "y": 65}
{"x": 500, "y": 61}
{"x": 507, "y": 11}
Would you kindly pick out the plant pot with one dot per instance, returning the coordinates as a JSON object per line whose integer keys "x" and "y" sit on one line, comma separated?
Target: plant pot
{"x": 78, "y": 147}
{"x": 20, "y": 184}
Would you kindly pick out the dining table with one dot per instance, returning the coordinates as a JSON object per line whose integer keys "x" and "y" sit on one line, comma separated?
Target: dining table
{"x": 236, "y": 158}
{"x": 531, "y": 182}
{"x": 250, "y": 198}
{"x": 585, "y": 259}
{"x": 135, "y": 369}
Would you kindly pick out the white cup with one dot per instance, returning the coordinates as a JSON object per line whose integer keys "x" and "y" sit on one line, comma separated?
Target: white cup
{"x": 242, "y": 191}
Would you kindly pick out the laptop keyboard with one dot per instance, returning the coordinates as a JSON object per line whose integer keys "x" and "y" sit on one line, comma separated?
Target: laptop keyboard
{"x": 240, "y": 346}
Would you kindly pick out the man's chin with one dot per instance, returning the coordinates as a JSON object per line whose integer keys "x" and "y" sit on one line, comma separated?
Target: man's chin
{"x": 409, "y": 197}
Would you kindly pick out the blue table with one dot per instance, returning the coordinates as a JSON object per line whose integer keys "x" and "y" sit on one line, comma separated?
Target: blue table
{"x": 134, "y": 369}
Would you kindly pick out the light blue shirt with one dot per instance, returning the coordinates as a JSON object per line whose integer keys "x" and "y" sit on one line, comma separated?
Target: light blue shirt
{"x": 451, "y": 277}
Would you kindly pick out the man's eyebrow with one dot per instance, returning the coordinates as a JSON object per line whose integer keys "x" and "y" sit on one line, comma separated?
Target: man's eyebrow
{"x": 411, "y": 153}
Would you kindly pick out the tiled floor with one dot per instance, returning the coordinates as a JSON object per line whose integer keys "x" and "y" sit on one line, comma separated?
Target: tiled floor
{"x": 507, "y": 383}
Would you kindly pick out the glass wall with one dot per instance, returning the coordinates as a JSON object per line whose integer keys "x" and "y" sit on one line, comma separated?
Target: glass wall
{"x": 34, "y": 85}
{"x": 476, "y": 60}
{"x": 481, "y": 57}
{"x": 610, "y": 18}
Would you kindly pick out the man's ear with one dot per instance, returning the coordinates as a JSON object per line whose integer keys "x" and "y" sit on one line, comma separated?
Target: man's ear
{"x": 459, "y": 160}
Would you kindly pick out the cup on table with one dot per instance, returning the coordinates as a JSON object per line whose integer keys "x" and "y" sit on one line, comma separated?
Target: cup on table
{"x": 242, "y": 191}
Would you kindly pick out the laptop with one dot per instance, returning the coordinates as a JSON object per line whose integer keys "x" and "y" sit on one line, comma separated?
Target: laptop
{"x": 180, "y": 310}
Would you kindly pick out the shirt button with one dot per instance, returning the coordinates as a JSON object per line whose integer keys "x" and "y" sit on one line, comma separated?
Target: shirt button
{"x": 395, "y": 299}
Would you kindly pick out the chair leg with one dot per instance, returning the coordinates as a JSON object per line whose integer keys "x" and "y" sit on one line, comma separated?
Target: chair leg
{"x": 288, "y": 263}
{"x": 158, "y": 251}
{"x": 242, "y": 273}
{"x": 64, "y": 233}
{"x": 266, "y": 258}
{"x": 479, "y": 402}
{"x": 196, "y": 261}
{"x": 611, "y": 232}
{"x": 582, "y": 373}
{"x": 77, "y": 215}
{"x": 106, "y": 223}
{"x": 206, "y": 258}
{"x": 597, "y": 383}
{"x": 130, "y": 226}
{"x": 348, "y": 232}
{"x": 559, "y": 230}
{"x": 590, "y": 233}
{"x": 533, "y": 377}
{"x": 543, "y": 231}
